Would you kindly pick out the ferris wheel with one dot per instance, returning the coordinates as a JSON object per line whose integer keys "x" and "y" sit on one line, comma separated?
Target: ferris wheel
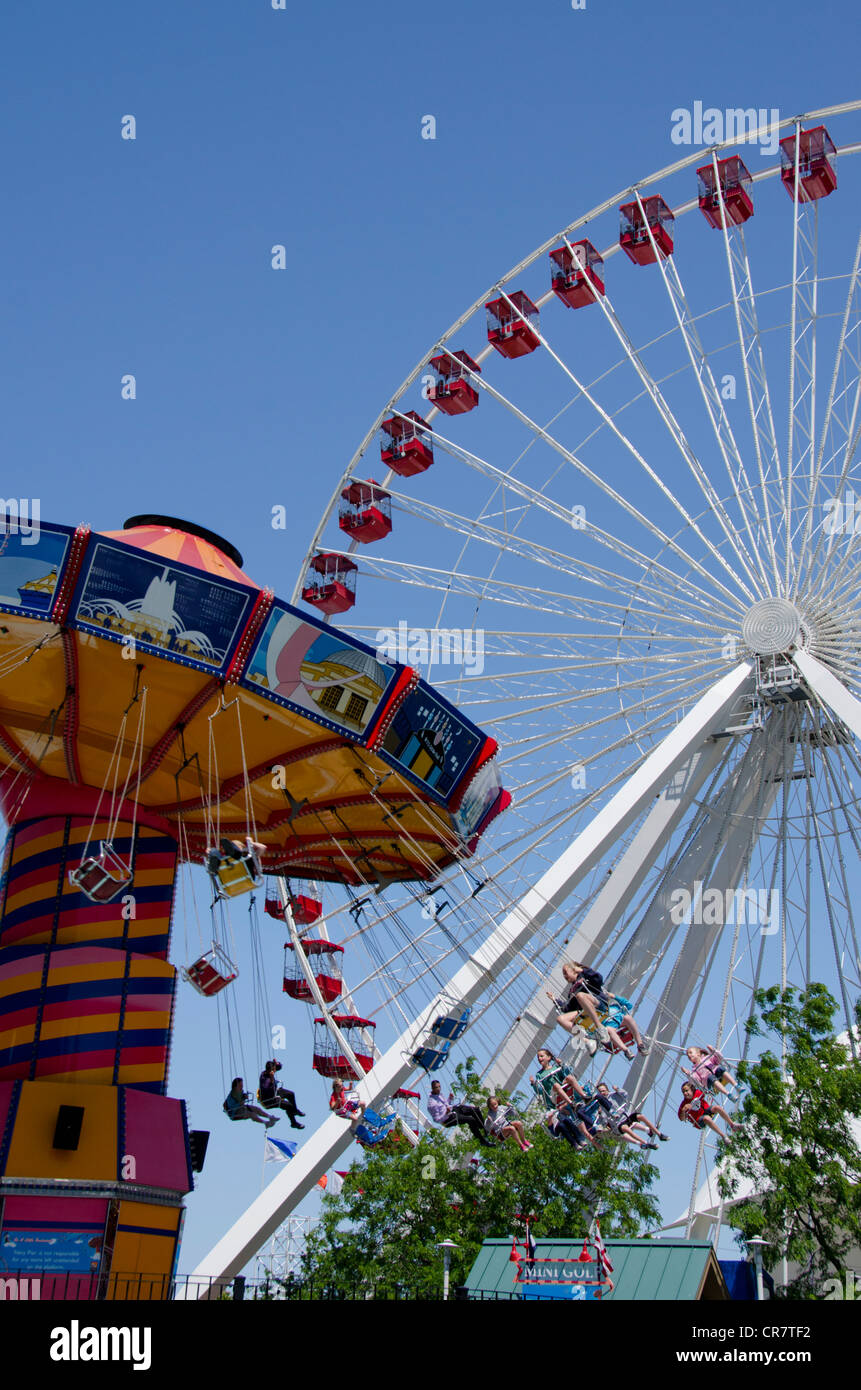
{"x": 614, "y": 515}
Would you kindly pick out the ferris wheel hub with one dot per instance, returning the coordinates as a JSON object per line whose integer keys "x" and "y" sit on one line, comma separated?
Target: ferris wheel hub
{"x": 772, "y": 626}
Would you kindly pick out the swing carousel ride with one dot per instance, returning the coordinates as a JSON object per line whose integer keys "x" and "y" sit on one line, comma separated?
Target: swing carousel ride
{"x": 159, "y": 708}
{"x": 613, "y": 523}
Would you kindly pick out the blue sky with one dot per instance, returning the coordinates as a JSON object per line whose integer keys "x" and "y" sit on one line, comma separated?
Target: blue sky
{"x": 257, "y": 127}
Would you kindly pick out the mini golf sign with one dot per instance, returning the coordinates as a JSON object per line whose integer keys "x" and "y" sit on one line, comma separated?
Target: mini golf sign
{"x": 578, "y": 1279}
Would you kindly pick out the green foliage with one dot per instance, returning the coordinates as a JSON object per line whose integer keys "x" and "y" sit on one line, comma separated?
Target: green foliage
{"x": 797, "y": 1148}
{"x": 380, "y": 1232}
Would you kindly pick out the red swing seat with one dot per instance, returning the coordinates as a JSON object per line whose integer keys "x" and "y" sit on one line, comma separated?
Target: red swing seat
{"x": 101, "y": 877}
{"x": 211, "y": 972}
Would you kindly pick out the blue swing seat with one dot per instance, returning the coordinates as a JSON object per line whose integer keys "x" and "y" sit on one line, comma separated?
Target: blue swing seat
{"x": 432, "y": 1058}
{"x": 452, "y": 1025}
{"x": 373, "y": 1128}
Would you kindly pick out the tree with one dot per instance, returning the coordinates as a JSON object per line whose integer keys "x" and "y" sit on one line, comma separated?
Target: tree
{"x": 797, "y": 1150}
{"x": 379, "y": 1233}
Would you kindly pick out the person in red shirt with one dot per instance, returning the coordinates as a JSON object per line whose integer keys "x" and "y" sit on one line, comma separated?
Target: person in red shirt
{"x": 698, "y": 1111}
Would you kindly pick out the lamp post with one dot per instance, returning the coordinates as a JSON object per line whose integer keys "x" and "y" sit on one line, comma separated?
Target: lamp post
{"x": 446, "y": 1246}
{"x": 756, "y": 1243}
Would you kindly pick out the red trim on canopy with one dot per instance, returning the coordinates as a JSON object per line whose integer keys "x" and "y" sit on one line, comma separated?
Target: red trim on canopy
{"x": 347, "y": 1021}
{"x": 66, "y": 585}
{"x": 73, "y": 707}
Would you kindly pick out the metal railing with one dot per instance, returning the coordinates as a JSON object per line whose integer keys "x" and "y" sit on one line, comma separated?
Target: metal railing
{"x": 153, "y": 1288}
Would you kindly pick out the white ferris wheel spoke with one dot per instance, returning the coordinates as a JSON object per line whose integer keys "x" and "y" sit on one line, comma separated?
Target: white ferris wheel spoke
{"x": 614, "y": 688}
{"x": 801, "y": 441}
{"x": 711, "y": 398}
{"x": 508, "y": 481}
{"x": 841, "y": 410}
{"x": 627, "y": 443}
{"x": 560, "y": 561}
{"x": 753, "y": 364}
{"x": 675, "y": 430}
{"x": 603, "y": 612}
{"x": 528, "y": 746}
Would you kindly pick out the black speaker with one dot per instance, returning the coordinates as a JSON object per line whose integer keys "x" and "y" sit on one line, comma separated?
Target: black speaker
{"x": 198, "y": 1140}
{"x": 68, "y": 1129}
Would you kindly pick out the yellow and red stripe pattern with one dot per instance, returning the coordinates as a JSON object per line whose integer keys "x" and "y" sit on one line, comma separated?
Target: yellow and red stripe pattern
{"x": 86, "y": 991}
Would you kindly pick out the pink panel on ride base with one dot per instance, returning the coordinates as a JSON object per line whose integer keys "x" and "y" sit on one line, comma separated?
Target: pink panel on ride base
{"x": 154, "y": 1137}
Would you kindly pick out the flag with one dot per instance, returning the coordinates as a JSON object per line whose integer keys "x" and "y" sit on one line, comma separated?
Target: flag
{"x": 279, "y": 1150}
{"x": 321, "y": 1182}
{"x": 599, "y": 1246}
{"x": 332, "y": 1183}
{"x": 514, "y": 1258}
{"x": 530, "y": 1245}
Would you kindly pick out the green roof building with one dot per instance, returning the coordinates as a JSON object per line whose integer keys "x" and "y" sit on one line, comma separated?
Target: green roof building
{"x": 672, "y": 1271}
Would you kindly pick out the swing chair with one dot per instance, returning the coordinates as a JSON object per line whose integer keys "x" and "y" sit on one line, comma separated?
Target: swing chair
{"x": 376, "y": 1131}
{"x": 213, "y": 969}
{"x": 235, "y": 873}
{"x": 211, "y": 972}
{"x": 587, "y": 1026}
{"x": 100, "y": 877}
{"x": 446, "y": 1029}
{"x": 232, "y": 869}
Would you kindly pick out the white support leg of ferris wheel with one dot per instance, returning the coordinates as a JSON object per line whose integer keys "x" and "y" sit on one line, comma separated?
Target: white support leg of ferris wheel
{"x": 718, "y": 860}
{"x": 284, "y": 1193}
{"x": 536, "y": 1021}
{"x": 831, "y": 691}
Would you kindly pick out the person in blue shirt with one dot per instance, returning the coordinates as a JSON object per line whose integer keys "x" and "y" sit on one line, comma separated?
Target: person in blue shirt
{"x": 237, "y": 1106}
{"x": 619, "y": 1016}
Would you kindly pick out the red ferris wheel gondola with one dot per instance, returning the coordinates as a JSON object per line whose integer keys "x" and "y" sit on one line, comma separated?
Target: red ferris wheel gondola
{"x": 330, "y": 583}
{"x": 405, "y": 444}
{"x": 817, "y": 176}
{"x": 572, "y": 268}
{"x": 735, "y": 185}
{"x": 325, "y": 957}
{"x": 329, "y": 1058}
{"x": 635, "y": 223}
{"x": 452, "y": 391}
{"x": 365, "y": 512}
{"x": 512, "y": 323}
